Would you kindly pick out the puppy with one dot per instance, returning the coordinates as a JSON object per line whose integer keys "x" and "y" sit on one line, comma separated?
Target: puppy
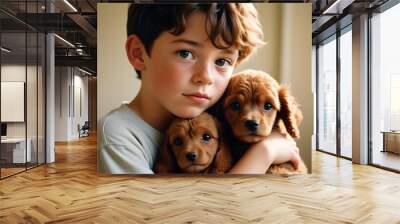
{"x": 253, "y": 105}
{"x": 194, "y": 146}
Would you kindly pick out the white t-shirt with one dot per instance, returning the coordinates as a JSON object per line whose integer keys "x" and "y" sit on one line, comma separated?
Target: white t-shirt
{"x": 127, "y": 144}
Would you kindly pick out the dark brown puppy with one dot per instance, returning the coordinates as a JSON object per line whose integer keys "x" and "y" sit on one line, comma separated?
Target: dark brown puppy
{"x": 253, "y": 105}
{"x": 194, "y": 146}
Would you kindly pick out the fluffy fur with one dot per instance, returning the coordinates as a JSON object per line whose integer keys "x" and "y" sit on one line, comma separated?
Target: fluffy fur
{"x": 253, "y": 105}
{"x": 194, "y": 146}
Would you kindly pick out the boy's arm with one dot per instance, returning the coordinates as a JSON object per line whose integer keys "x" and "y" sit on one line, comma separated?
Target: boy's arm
{"x": 120, "y": 159}
{"x": 275, "y": 149}
{"x": 120, "y": 148}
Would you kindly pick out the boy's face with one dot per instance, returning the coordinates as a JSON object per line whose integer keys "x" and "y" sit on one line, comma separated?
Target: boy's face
{"x": 186, "y": 74}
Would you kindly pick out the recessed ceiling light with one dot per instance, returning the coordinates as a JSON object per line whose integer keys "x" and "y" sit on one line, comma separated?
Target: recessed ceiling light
{"x": 64, "y": 40}
{"x": 337, "y": 7}
{"x": 84, "y": 71}
{"x": 5, "y": 50}
{"x": 70, "y": 5}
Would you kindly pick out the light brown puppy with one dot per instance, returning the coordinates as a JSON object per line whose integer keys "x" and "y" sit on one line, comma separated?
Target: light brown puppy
{"x": 254, "y": 104}
{"x": 194, "y": 146}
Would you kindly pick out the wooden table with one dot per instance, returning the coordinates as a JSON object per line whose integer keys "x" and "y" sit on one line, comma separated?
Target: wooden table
{"x": 391, "y": 141}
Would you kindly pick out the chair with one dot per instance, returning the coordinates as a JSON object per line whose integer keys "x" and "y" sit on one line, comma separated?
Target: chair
{"x": 84, "y": 130}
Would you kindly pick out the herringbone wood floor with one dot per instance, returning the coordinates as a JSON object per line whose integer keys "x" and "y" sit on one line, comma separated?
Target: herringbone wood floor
{"x": 70, "y": 191}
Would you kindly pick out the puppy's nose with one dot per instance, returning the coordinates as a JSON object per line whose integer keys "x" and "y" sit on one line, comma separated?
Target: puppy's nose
{"x": 252, "y": 125}
{"x": 191, "y": 156}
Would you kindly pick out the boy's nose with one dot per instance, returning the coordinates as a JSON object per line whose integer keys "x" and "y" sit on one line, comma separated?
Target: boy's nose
{"x": 202, "y": 76}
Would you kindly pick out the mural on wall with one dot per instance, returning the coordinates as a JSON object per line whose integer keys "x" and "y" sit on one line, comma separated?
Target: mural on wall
{"x": 129, "y": 145}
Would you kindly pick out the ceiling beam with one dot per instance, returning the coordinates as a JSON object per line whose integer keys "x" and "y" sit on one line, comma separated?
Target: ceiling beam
{"x": 84, "y": 61}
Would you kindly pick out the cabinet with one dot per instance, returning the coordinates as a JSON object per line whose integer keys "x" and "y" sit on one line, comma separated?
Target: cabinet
{"x": 13, "y": 150}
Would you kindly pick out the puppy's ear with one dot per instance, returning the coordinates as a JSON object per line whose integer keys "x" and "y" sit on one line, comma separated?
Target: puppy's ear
{"x": 217, "y": 109}
{"x": 289, "y": 112}
{"x": 166, "y": 162}
{"x": 223, "y": 158}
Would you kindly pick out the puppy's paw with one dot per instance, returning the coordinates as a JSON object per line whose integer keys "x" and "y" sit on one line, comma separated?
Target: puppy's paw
{"x": 287, "y": 169}
{"x": 223, "y": 167}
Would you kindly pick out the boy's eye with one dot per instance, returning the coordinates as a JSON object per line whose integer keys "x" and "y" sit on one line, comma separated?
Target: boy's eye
{"x": 222, "y": 62}
{"x": 185, "y": 54}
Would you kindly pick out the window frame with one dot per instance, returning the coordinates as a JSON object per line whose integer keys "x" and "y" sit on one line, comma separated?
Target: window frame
{"x": 334, "y": 37}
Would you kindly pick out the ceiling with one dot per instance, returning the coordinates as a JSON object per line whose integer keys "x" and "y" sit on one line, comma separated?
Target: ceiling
{"x": 332, "y": 15}
{"x": 77, "y": 25}
{"x": 76, "y": 22}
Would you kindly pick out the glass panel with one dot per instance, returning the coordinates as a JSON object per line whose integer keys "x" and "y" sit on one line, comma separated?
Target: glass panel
{"x": 386, "y": 89}
{"x": 23, "y": 84}
{"x": 13, "y": 86}
{"x": 345, "y": 94}
{"x": 327, "y": 96}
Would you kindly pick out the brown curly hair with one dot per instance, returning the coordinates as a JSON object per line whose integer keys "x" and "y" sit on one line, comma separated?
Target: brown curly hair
{"x": 236, "y": 23}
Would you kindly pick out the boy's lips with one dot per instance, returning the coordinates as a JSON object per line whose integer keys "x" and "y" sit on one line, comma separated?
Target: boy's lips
{"x": 197, "y": 97}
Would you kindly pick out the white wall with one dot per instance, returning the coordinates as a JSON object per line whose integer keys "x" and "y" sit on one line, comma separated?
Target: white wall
{"x": 295, "y": 68}
{"x": 80, "y": 82}
{"x": 66, "y": 119}
{"x": 268, "y": 57}
{"x": 116, "y": 79}
{"x": 62, "y": 81}
{"x": 34, "y": 124}
{"x": 15, "y": 72}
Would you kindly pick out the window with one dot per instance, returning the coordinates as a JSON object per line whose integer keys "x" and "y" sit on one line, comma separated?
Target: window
{"x": 331, "y": 79}
{"x": 327, "y": 96}
{"x": 385, "y": 88}
{"x": 346, "y": 93}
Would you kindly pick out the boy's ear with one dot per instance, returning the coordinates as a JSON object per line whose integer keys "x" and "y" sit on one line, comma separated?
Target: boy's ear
{"x": 135, "y": 51}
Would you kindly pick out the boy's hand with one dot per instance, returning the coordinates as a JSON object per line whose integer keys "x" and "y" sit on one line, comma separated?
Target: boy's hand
{"x": 275, "y": 149}
{"x": 281, "y": 148}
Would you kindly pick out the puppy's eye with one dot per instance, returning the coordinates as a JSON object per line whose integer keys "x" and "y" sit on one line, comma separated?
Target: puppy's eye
{"x": 206, "y": 137}
{"x": 178, "y": 141}
{"x": 235, "y": 106}
{"x": 267, "y": 106}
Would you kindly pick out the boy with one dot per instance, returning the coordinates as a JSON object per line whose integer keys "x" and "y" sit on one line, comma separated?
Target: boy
{"x": 184, "y": 55}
